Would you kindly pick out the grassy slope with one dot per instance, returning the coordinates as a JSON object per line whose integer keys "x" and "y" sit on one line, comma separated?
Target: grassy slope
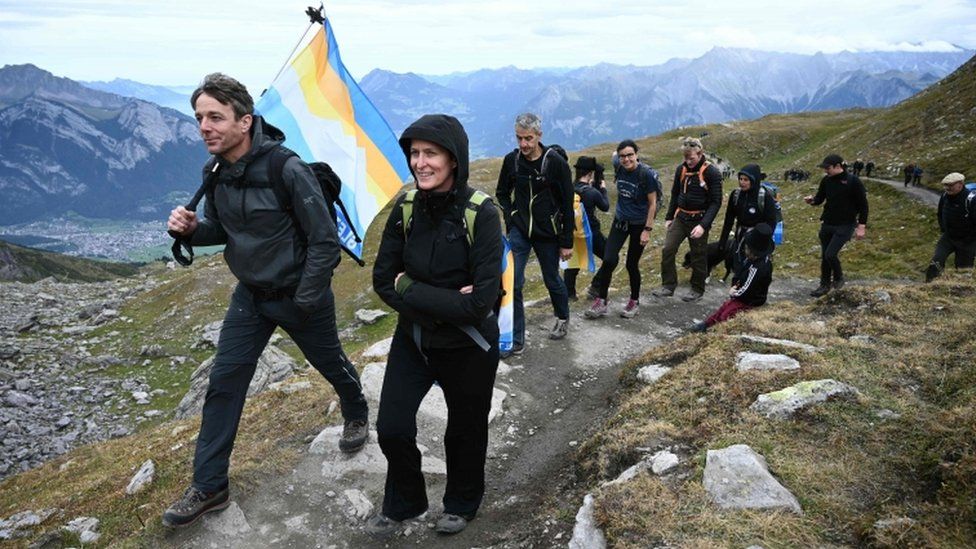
{"x": 29, "y": 265}
{"x": 276, "y": 425}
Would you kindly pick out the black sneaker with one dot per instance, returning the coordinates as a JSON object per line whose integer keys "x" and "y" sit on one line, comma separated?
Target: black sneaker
{"x": 820, "y": 291}
{"x": 839, "y": 283}
{"x": 691, "y": 296}
{"x": 192, "y": 505}
{"x": 354, "y": 435}
{"x": 515, "y": 350}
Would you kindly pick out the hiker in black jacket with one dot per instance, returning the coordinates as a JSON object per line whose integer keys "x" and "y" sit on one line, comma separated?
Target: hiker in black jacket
{"x": 539, "y": 218}
{"x": 957, "y": 223}
{"x": 444, "y": 289}
{"x": 845, "y": 214}
{"x": 744, "y": 210}
{"x": 696, "y": 197}
{"x": 593, "y": 195}
{"x": 284, "y": 280}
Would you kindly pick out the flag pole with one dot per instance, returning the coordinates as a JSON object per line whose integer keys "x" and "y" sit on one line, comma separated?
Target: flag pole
{"x": 315, "y": 15}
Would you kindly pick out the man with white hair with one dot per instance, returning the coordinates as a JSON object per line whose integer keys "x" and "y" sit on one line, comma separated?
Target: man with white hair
{"x": 696, "y": 197}
{"x": 540, "y": 218}
{"x": 957, "y": 222}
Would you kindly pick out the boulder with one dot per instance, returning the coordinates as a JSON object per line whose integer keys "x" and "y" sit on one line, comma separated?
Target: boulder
{"x": 379, "y": 349}
{"x": 586, "y": 534}
{"x": 651, "y": 373}
{"x": 274, "y": 365}
{"x": 369, "y": 460}
{"x": 142, "y": 478}
{"x": 784, "y": 403}
{"x": 370, "y": 316}
{"x": 229, "y": 522}
{"x": 757, "y": 361}
{"x": 738, "y": 478}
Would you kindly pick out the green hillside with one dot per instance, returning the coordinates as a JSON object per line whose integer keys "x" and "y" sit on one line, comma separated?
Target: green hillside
{"x": 28, "y": 265}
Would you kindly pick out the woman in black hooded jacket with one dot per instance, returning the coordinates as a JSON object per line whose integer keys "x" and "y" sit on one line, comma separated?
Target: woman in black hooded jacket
{"x": 444, "y": 290}
{"x": 744, "y": 210}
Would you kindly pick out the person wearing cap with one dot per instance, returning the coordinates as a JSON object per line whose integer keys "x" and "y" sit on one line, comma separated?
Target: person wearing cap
{"x": 744, "y": 209}
{"x": 539, "y": 218}
{"x": 750, "y": 283}
{"x": 444, "y": 290}
{"x": 696, "y": 197}
{"x": 845, "y": 214}
{"x": 957, "y": 223}
{"x": 633, "y": 220}
{"x": 592, "y": 191}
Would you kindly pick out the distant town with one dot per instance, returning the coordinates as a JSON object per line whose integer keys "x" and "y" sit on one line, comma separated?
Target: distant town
{"x": 114, "y": 240}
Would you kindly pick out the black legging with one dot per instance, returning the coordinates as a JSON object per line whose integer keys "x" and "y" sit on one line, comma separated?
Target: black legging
{"x": 569, "y": 275}
{"x": 619, "y": 231}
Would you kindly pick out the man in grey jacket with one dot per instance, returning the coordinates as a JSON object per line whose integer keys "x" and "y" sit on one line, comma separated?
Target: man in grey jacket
{"x": 283, "y": 260}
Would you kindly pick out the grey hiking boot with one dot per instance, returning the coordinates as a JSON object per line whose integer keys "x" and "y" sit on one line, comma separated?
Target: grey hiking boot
{"x": 820, "y": 291}
{"x": 451, "y": 524}
{"x": 598, "y": 309}
{"x": 382, "y": 526}
{"x": 693, "y": 295}
{"x": 663, "y": 291}
{"x": 192, "y": 505}
{"x": 559, "y": 329}
{"x": 354, "y": 435}
{"x": 631, "y": 309}
{"x": 839, "y": 283}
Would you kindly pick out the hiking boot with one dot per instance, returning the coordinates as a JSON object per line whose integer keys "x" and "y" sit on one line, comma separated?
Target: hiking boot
{"x": 663, "y": 291}
{"x": 598, "y": 309}
{"x": 691, "y": 296}
{"x": 516, "y": 349}
{"x": 820, "y": 291}
{"x": 698, "y": 327}
{"x": 559, "y": 329}
{"x": 839, "y": 283}
{"x": 193, "y": 504}
{"x": 451, "y": 524}
{"x": 573, "y": 298}
{"x": 631, "y": 309}
{"x": 354, "y": 435}
{"x": 382, "y": 526}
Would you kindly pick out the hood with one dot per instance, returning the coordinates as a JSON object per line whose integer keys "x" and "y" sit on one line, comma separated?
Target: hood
{"x": 264, "y": 136}
{"x": 754, "y": 173}
{"x": 446, "y": 131}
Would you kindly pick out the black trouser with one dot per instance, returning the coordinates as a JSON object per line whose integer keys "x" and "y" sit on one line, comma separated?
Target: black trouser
{"x": 620, "y": 231}
{"x": 832, "y": 239}
{"x": 467, "y": 377}
{"x": 569, "y": 275}
{"x": 247, "y": 328}
{"x": 965, "y": 254}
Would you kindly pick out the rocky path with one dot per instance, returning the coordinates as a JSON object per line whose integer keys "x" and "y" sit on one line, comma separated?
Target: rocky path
{"x": 547, "y": 402}
{"x": 923, "y": 194}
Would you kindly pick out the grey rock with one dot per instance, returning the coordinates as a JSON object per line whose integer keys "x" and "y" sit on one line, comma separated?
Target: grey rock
{"x": 211, "y": 334}
{"x": 88, "y": 537}
{"x": 861, "y": 339}
{"x": 274, "y": 365}
{"x": 360, "y": 506}
{"x": 757, "y": 361}
{"x": 882, "y": 296}
{"x": 738, "y": 478}
{"x": 369, "y": 460}
{"x": 651, "y": 373}
{"x": 779, "y": 342}
{"x": 142, "y": 478}
{"x": 18, "y": 399}
{"x": 784, "y": 403}
{"x": 82, "y": 524}
{"x": 663, "y": 461}
{"x": 152, "y": 351}
{"x": 22, "y": 384}
{"x": 379, "y": 349}
{"x": 229, "y": 522}
{"x": 370, "y": 316}
{"x": 630, "y": 472}
{"x": 586, "y": 534}
{"x": 899, "y": 524}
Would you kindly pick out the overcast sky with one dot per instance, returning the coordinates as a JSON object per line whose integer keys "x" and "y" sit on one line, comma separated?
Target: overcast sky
{"x": 176, "y": 42}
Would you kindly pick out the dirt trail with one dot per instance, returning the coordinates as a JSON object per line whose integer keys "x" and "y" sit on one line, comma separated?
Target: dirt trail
{"x": 557, "y": 393}
{"x": 922, "y": 194}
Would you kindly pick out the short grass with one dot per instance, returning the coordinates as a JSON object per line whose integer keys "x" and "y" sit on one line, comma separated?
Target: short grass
{"x": 848, "y": 465}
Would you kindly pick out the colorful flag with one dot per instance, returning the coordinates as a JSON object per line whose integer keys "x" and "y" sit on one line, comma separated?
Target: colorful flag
{"x": 327, "y": 118}
{"x": 582, "y": 241}
{"x": 506, "y": 313}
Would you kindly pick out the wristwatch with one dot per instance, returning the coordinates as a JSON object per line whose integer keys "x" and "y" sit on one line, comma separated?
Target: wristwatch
{"x": 648, "y": 229}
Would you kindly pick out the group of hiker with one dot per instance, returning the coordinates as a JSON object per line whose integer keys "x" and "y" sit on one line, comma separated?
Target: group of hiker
{"x": 913, "y": 174}
{"x": 438, "y": 267}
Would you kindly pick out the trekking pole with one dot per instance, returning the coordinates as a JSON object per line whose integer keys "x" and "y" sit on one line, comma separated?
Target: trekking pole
{"x": 179, "y": 242}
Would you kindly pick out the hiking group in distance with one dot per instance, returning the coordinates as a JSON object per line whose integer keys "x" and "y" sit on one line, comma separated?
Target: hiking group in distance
{"x": 438, "y": 266}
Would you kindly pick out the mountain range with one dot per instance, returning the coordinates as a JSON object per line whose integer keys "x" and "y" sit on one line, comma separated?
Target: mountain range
{"x": 606, "y": 102}
{"x": 66, "y": 147}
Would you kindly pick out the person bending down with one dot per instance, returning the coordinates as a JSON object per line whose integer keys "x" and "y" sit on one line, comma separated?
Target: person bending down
{"x": 750, "y": 283}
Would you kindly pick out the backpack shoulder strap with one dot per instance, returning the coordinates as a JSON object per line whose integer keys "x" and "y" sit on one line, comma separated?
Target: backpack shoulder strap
{"x": 276, "y": 166}
{"x": 406, "y": 211}
{"x": 762, "y": 197}
{"x": 471, "y": 212}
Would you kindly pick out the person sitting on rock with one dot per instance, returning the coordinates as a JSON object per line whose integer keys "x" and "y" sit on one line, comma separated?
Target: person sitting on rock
{"x": 750, "y": 283}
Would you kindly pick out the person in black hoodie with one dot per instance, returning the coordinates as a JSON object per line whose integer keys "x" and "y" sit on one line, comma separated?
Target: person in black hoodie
{"x": 593, "y": 194}
{"x": 957, "y": 223}
{"x": 753, "y": 275}
{"x": 444, "y": 290}
{"x": 845, "y": 214}
{"x": 283, "y": 262}
{"x": 540, "y": 219}
{"x": 744, "y": 210}
{"x": 696, "y": 197}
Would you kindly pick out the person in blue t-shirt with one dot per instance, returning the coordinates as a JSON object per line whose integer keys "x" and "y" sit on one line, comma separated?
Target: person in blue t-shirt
{"x": 637, "y": 188}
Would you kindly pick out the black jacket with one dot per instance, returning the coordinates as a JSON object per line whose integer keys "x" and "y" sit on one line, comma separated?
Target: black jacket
{"x": 695, "y": 197}
{"x": 592, "y": 198}
{"x": 847, "y": 200}
{"x": 753, "y": 277}
{"x": 543, "y": 204}
{"x": 957, "y": 216}
{"x": 435, "y": 254}
{"x": 743, "y": 211}
{"x": 263, "y": 248}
